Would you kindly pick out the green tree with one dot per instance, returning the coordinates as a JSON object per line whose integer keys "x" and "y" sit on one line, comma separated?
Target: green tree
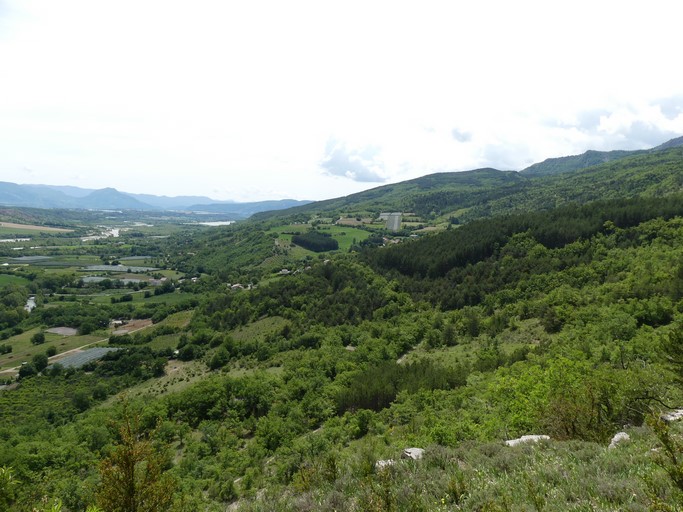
{"x": 27, "y": 370}
{"x": 38, "y": 338}
{"x": 132, "y": 478}
{"x": 87, "y": 327}
{"x": 40, "y": 362}
{"x": 7, "y": 485}
{"x": 81, "y": 400}
{"x": 670, "y": 455}
{"x": 219, "y": 359}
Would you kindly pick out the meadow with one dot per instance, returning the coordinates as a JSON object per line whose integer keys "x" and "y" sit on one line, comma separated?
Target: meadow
{"x": 346, "y": 236}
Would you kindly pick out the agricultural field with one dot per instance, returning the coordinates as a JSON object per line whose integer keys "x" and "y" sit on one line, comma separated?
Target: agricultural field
{"x": 259, "y": 329}
{"x": 290, "y": 228}
{"x": 167, "y": 298}
{"x": 178, "y": 320}
{"x": 54, "y": 264}
{"x": 79, "y": 358}
{"x": 106, "y": 297}
{"x": 179, "y": 375}
{"x": 165, "y": 341}
{"x": 13, "y": 227}
{"x": 345, "y": 235}
{"x": 24, "y": 350}
{"x": 7, "y": 279}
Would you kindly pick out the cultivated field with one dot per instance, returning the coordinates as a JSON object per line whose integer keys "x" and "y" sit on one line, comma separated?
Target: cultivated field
{"x": 24, "y": 350}
{"x": 6, "y": 279}
{"x": 13, "y": 228}
{"x": 344, "y": 235}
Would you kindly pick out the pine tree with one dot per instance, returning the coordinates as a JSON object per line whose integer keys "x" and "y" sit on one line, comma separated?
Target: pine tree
{"x": 132, "y": 478}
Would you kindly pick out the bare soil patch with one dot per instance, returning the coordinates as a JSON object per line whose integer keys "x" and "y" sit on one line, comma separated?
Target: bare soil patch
{"x": 133, "y": 325}
{"x": 33, "y": 227}
{"x": 64, "y": 331}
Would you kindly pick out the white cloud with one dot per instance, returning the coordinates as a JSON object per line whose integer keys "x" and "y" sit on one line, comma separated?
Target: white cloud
{"x": 361, "y": 165}
{"x": 243, "y": 97}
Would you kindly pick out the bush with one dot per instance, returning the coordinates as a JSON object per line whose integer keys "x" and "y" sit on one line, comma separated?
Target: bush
{"x": 100, "y": 392}
{"x": 190, "y": 352}
{"x": 39, "y": 362}
{"x": 38, "y": 338}
{"x": 27, "y": 370}
{"x": 81, "y": 401}
{"x": 87, "y": 327}
{"x": 219, "y": 359}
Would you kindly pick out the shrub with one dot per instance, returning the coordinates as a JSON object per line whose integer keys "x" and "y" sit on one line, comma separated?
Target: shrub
{"x": 38, "y": 338}
{"x": 40, "y": 362}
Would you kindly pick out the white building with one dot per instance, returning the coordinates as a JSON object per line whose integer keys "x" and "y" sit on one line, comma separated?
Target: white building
{"x": 394, "y": 221}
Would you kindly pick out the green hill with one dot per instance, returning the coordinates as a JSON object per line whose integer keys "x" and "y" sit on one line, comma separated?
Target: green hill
{"x": 575, "y": 162}
{"x": 444, "y": 198}
{"x": 644, "y": 175}
{"x": 469, "y": 195}
{"x": 422, "y": 195}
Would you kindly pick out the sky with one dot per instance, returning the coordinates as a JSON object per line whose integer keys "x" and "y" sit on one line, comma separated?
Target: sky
{"x": 254, "y": 100}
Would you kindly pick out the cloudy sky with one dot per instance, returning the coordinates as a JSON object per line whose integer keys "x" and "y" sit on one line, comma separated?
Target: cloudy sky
{"x": 251, "y": 100}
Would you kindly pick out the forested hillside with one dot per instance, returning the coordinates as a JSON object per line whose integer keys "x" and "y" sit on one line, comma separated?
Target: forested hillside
{"x": 465, "y": 196}
{"x": 591, "y": 158}
{"x": 265, "y": 375}
{"x": 422, "y": 195}
{"x": 575, "y": 162}
{"x": 649, "y": 175}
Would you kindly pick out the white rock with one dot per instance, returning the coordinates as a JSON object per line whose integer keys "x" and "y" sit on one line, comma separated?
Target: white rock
{"x": 381, "y": 464}
{"x": 412, "y": 453}
{"x": 674, "y": 415}
{"x": 619, "y": 438}
{"x": 526, "y": 439}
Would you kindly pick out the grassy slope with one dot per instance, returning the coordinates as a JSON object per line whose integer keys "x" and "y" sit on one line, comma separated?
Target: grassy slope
{"x": 551, "y": 476}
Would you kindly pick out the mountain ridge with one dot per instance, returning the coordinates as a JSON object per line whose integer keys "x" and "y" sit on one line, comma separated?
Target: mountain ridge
{"x": 590, "y": 158}
{"x": 69, "y": 197}
{"x": 471, "y": 194}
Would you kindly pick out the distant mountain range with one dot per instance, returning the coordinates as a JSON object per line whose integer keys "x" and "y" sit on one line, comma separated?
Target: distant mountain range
{"x": 54, "y": 196}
